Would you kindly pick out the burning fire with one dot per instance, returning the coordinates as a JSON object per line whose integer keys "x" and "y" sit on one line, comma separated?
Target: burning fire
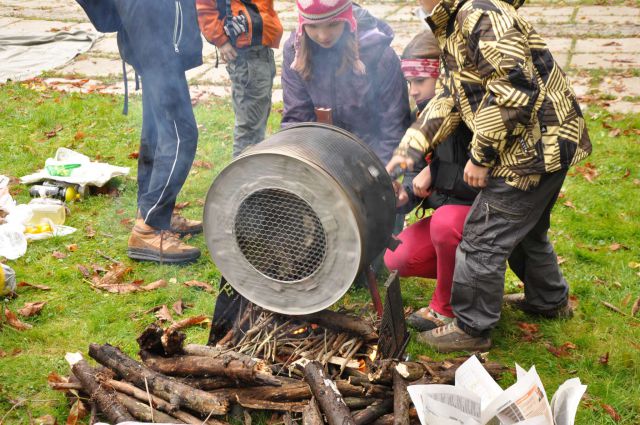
{"x": 362, "y": 365}
{"x": 299, "y": 331}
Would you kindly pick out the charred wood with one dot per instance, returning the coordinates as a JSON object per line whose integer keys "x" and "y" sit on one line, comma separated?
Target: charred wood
{"x": 373, "y": 412}
{"x": 401, "y": 401}
{"x": 328, "y": 397}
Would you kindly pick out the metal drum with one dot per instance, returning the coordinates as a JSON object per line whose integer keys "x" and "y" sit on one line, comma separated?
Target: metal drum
{"x": 292, "y": 220}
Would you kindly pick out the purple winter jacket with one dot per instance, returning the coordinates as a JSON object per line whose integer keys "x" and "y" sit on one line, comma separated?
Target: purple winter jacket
{"x": 375, "y": 106}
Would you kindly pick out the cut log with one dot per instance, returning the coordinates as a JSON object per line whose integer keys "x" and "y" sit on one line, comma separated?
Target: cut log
{"x": 143, "y": 412}
{"x": 328, "y": 397}
{"x": 282, "y": 406}
{"x": 176, "y": 393}
{"x": 341, "y": 322}
{"x": 150, "y": 339}
{"x": 288, "y": 392}
{"x": 208, "y": 366}
{"x": 65, "y": 386}
{"x": 373, "y": 412}
{"x": 401, "y": 400}
{"x": 383, "y": 373}
{"x": 210, "y": 383}
{"x": 357, "y": 403}
{"x": 389, "y": 418}
{"x": 410, "y": 371}
{"x": 311, "y": 414}
{"x": 105, "y": 400}
{"x": 158, "y": 403}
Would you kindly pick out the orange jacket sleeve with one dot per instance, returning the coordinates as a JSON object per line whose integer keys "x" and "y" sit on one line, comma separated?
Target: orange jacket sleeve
{"x": 210, "y": 23}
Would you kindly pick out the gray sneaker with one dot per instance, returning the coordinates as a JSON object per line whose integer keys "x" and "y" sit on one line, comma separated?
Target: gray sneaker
{"x": 564, "y": 311}
{"x": 448, "y": 338}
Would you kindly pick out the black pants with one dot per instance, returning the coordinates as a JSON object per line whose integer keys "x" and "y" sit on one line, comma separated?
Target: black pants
{"x": 169, "y": 132}
{"x": 503, "y": 224}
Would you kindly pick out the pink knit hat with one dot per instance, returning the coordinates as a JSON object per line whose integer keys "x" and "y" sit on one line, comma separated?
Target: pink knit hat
{"x": 323, "y": 11}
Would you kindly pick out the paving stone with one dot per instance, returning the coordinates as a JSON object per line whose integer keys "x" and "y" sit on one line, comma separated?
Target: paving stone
{"x": 94, "y": 67}
{"x": 605, "y": 60}
{"x": 404, "y": 14}
{"x": 558, "y": 45}
{"x": 561, "y": 59}
{"x": 7, "y": 21}
{"x": 32, "y": 26}
{"x": 623, "y": 107}
{"x": 621, "y": 86}
{"x": 277, "y": 96}
{"x": 549, "y": 15}
{"x": 214, "y": 76}
{"x": 380, "y": 11}
{"x": 107, "y": 44}
{"x": 599, "y": 45}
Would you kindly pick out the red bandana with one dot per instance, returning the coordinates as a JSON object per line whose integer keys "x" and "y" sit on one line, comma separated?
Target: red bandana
{"x": 420, "y": 68}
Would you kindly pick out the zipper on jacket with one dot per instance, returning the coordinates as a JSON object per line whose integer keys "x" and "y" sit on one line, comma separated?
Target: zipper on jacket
{"x": 177, "y": 27}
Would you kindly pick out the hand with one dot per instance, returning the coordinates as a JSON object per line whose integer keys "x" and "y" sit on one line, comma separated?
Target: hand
{"x": 402, "y": 197}
{"x": 399, "y": 160}
{"x": 422, "y": 183}
{"x": 227, "y": 52}
{"x": 475, "y": 175}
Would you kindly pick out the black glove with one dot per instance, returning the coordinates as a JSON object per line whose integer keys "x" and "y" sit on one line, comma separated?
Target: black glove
{"x": 235, "y": 26}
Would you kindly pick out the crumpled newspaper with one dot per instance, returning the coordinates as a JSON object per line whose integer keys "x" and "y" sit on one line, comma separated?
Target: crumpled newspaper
{"x": 87, "y": 173}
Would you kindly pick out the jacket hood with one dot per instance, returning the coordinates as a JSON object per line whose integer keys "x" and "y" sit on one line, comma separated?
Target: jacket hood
{"x": 371, "y": 31}
{"x": 446, "y": 8}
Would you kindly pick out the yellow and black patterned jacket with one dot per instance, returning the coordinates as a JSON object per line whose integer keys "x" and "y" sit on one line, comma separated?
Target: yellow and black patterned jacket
{"x": 499, "y": 77}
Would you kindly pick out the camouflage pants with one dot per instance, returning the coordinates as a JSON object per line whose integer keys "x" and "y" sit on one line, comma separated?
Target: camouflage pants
{"x": 503, "y": 224}
{"x": 251, "y": 77}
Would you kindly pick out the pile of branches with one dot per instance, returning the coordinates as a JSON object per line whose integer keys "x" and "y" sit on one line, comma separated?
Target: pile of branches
{"x": 197, "y": 384}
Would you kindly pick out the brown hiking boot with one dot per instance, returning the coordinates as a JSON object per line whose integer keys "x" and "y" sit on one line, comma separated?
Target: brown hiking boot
{"x": 448, "y": 338}
{"x": 183, "y": 226}
{"x": 160, "y": 246}
{"x": 519, "y": 301}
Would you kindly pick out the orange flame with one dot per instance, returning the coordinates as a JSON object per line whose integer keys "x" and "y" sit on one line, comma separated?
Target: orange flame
{"x": 299, "y": 331}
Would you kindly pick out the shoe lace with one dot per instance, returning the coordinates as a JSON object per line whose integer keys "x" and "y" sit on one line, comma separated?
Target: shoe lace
{"x": 170, "y": 238}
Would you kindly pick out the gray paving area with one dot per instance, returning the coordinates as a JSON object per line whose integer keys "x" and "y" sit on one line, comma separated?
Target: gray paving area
{"x": 598, "y": 46}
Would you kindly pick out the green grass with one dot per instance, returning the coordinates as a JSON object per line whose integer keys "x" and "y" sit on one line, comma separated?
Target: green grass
{"x": 606, "y": 211}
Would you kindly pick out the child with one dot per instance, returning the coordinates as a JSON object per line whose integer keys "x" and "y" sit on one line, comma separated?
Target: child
{"x": 428, "y": 247}
{"x": 501, "y": 80}
{"x": 245, "y": 33}
{"x": 339, "y": 60}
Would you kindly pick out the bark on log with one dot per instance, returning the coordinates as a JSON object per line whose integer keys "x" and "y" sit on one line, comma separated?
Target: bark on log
{"x": 207, "y": 366}
{"x": 143, "y": 412}
{"x": 106, "y": 401}
{"x": 176, "y": 393}
{"x": 282, "y": 406}
{"x": 357, "y": 403}
{"x": 65, "y": 386}
{"x": 388, "y": 419}
{"x": 410, "y": 371}
{"x": 373, "y": 412}
{"x": 215, "y": 352}
{"x": 340, "y": 322}
{"x": 311, "y": 414}
{"x": 401, "y": 400}
{"x": 288, "y": 392}
{"x": 158, "y": 403}
{"x": 383, "y": 374}
{"x": 150, "y": 339}
{"x": 445, "y": 372}
{"x": 329, "y": 398}
{"x": 211, "y": 383}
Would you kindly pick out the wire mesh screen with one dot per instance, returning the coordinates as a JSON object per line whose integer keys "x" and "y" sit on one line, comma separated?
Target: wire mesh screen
{"x": 280, "y": 235}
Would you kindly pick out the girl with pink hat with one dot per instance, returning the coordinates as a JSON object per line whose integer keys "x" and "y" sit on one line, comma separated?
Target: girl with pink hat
{"x": 339, "y": 68}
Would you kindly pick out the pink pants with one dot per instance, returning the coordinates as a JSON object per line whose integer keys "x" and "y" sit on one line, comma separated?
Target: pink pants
{"x": 428, "y": 249}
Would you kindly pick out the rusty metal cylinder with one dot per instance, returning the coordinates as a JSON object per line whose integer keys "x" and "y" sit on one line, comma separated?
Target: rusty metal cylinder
{"x": 292, "y": 221}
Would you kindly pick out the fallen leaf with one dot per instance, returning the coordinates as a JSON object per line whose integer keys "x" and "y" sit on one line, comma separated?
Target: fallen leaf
{"x": 561, "y": 260}
{"x": 617, "y": 246}
{"x": 562, "y": 351}
{"x": 31, "y": 308}
{"x": 181, "y": 205}
{"x": 569, "y": 204}
{"x": 634, "y": 265}
{"x": 615, "y": 132}
{"x": 198, "y": 284}
{"x": 45, "y": 420}
{"x": 33, "y": 285}
{"x": 200, "y": 202}
{"x": 119, "y": 288}
{"x": 589, "y": 171}
{"x": 612, "y": 43}
{"x": 54, "y": 132}
{"x": 636, "y": 182}
{"x": 72, "y": 248}
{"x": 202, "y": 164}
{"x": 635, "y": 309}
{"x": 134, "y": 155}
{"x": 627, "y": 173}
{"x": 115, "y": 275}
{"x": 89, "y": 231}
{"x": 626, "y": 300}
{"x": 59, "y": 255}
{"x": 120, "y": 212}
{"x": 126, "y": 222}
{"x": 154, "y": 285}
{"x": 530, "y": 331}
{"x": 14, "y": 322}
{"x": 54, "y": 378}
{"x": 611, "y": 412}
{"x": 164, "y": 314}
{"x": 604, "y": 359}
{"x": 2, "y": 353}
{"x": 178, "y": 307}
{"x": 79, "y": 136}
{"x": 72, "y": 419}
